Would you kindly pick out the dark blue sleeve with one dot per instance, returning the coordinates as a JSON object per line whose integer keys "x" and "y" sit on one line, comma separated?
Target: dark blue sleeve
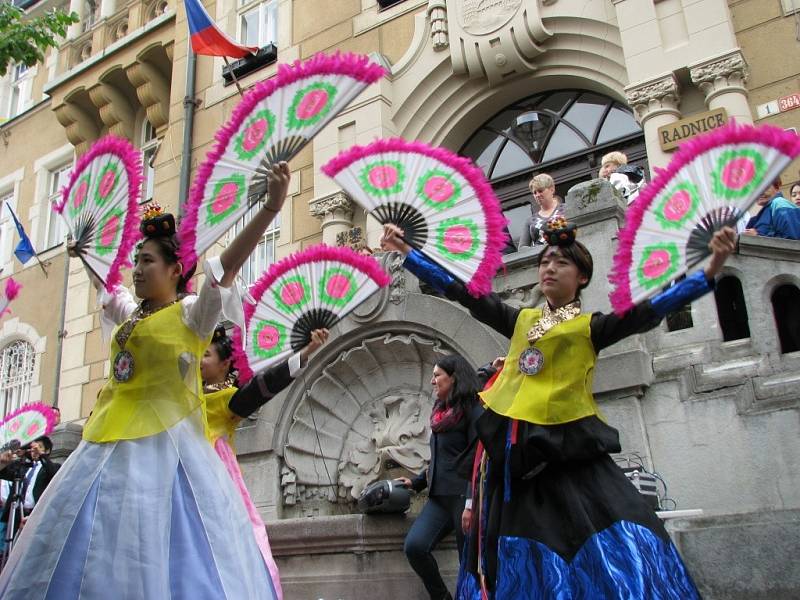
{"x": 428, "y": 271}
{"x": 786, "y": 223}
{"x": 683, "y": 292}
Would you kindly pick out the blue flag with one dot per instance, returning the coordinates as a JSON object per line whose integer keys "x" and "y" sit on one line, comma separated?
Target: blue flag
{"x": 24, "y": 250}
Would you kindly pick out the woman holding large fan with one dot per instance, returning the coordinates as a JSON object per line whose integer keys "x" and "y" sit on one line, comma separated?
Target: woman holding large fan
{"x": 556, "y": 517}
{"x": 226, "y": 405}
{"x": 144, "y": 508}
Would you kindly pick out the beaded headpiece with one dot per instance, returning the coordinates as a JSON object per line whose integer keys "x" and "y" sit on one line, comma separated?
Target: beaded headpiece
{"x": 155, "y": 222}
{"x": 559, "y": 232}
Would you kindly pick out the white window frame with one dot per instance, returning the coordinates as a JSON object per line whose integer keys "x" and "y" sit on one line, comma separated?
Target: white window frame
{"x": 19, "y": 90}
{"x": 40, "y": 215}
{"x": 56, "y": 229}
{"x": 6, "y": 197}
{"x": 790, "y": 6}
{"x": 9, "y": 188}
{"x": 265, "y": 253}
{"x": 149, "y": 143}
{"x": 17, "y": 372}
{"x": 266, "y": 9}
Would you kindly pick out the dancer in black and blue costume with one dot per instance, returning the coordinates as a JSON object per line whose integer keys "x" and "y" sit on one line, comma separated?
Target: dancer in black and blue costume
{"x": 554, "y": 517}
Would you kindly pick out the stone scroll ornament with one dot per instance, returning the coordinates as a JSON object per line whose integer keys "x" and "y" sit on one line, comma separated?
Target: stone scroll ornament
{"x": 272, "y": 123}
{"x": 308, "y": 290}
{"x": 8, "y": 293}
{"x": 441, "y": 200}
{"x": 100, "y": 205}
{"x": 27, "y": 423}
{"x": 710, "y": 183}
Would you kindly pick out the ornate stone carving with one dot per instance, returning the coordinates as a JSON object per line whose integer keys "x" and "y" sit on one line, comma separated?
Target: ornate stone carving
{"x": 721, "y": 74}
{"x": 364, "y": 417}
{"x": 115, "y": 109}
{"x": 437, "y": 15}
{"x": 152, "y": 84}
{"x": 80, "y": 123}
{"x": 398, "y": 442}
{"x": 654, "y": 97}
{"x": 496, "y": 38}
{"x": 336, "y": 206}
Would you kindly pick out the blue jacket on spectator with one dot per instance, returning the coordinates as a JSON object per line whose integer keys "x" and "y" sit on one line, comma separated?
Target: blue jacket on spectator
{"x": 778, "y": 218}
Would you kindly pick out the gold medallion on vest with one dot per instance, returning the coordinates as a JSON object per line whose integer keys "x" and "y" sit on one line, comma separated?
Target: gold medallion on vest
{"x": 123, "y": 361}
{"x": 531, "y": 360}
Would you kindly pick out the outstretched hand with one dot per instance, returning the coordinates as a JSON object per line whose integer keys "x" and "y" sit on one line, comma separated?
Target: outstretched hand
{"x": 278, "y": 179}
{"x": 392, "y": 240}
{"x": 318, "y": 338}
{"x": 722, "y": 246}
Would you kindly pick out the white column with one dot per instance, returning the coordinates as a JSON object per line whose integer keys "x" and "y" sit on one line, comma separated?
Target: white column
{"x": 656, "y": 104}
{"x": 108, "y": 8}
{"x": 76, "y": 6}
{"x": 336, "y": 214}
{"x": 722, "y": 79}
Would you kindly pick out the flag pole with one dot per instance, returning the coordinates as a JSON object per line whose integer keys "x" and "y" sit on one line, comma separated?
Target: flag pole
{"x": 235, "y": 80}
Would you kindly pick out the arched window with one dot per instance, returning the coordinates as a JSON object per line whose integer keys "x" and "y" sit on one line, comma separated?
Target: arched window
{"x": 16, "y": 374}
{"x": 731, "y": 309}
{"x": 786, "y": 308}
{"x": 563, "y": 133}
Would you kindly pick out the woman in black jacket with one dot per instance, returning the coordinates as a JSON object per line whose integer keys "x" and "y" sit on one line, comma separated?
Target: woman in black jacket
{"x": 455, "y": 409}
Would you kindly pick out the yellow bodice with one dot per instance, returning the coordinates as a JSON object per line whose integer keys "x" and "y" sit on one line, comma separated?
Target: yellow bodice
{"x": 221, "y": 421}
{"x": 165, "y": 386}
{"x": 562, "y": 390}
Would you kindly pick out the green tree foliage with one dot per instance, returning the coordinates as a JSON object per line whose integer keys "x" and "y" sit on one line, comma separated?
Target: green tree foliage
{"x": 23, "y": 40}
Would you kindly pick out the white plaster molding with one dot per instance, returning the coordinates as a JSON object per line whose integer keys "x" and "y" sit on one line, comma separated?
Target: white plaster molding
{"x": 437, "y": 15}
{"x": 12, "y": 330}
{"x": 9, "y": 184}
{"x": 336, "y": 206}
{"x": 721, "y": 74}
{"x": 654, "y": 97}
{"x": 371, "y": 16}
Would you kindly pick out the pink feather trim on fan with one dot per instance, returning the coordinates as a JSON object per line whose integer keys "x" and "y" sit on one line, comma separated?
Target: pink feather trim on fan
{"x": 132, "y": 160}
{"x": 12, "y": 288}
{"x": 496, "y": 238}
{"x": 733, "y": 133}
{"x": 45, "y": 410}
{"x": 365, "y": 264}
{"x": 357, "y": 66}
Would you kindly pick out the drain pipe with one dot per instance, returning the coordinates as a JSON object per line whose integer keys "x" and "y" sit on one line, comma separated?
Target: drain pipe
{"x": 189, "y": 106}
{"x": 61, "y": 333}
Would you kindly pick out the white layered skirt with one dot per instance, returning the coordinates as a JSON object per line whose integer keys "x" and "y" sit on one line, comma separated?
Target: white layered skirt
{"x": 144, "y": 519}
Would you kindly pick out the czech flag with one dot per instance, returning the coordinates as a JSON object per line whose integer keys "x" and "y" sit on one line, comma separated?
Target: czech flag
{"x": 207, "y": 39}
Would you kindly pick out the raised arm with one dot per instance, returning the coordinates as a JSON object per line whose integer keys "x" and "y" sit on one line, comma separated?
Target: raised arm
{"x": 234, "y": 256}
{"x": 488, "y": 309}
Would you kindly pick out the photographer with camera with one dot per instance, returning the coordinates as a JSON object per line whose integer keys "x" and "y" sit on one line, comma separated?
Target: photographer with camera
{"x": 30, "y": 465}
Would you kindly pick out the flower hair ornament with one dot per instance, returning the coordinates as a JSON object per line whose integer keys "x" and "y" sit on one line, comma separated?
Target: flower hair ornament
{"x": 559, "y": 232}
{"x": 155, "y": 222}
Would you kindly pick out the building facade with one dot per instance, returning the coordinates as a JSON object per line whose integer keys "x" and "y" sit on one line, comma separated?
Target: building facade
{"x": 709, "y": 400}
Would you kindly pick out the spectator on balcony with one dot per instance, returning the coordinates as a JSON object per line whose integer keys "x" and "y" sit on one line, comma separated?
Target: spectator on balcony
{"x": 777, "y": 217}
{"x": 544, "y": 205}
{"x": 610, "y": 163}
{"x": 628, "y": 179}
{"x": 794, "y": 193}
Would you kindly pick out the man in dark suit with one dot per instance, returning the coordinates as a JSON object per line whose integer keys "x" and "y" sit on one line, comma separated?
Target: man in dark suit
{"x": 35, "y": 478}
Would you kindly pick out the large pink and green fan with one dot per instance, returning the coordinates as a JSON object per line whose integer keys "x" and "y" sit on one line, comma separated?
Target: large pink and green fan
{"x": 100, "y": 205}
{"x": 27, "y": 423}
{"x": 9, "y": 292}
{"x": 710, "y": 183}
{"x": 308, "y": 290}
{"x": 272, "y": 123}
{"x": 441, "y": 200}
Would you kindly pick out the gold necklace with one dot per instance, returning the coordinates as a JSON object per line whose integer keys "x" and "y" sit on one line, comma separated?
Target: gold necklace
{"x": 222, "y": 385}
{"x": 123, "y": 361}
{"x": 531, "y": 360}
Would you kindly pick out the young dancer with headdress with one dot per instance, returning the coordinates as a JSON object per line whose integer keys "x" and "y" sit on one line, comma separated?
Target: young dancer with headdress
{"x": 227, "y": 404}
{"x": 554, "y": 516}
{"x": 144, "y": 508}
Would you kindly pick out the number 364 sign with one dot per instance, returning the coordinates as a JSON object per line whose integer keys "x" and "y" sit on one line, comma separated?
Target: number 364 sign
{"x": 789, "y": 102}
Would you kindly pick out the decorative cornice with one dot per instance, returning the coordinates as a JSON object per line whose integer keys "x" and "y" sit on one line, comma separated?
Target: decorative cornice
{"x": 654, "y": 97}
{"x": 721, "y": 74}
{"x": 334, "y": 205}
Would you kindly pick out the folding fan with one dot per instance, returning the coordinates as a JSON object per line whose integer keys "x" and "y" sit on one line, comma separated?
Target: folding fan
{"x": 272, "y": 123}
{"x": 442, "y": 201}
{"x": 27, "y": 423}
{"x": 101, "y": 207}
{"x": 10, "y": 292}
{"x": 308, "y": 290}
{"x": 709, "y": 184}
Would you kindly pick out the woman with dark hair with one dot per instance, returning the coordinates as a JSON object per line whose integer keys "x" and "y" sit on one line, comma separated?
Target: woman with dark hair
{"x": 226, "y": 405}
{"x": 143, "y": 508}
{"x": 556, "y": 518}
{"x": 455, "y": 408}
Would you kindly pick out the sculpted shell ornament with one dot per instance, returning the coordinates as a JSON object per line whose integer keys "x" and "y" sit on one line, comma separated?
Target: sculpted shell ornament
{"x": 371, "y": 409}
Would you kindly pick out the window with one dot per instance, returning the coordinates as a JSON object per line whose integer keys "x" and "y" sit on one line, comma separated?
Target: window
{"x": 258, "y": 23}
{"x": 731, "y": 309}
{"x": 264, "y": 254}
{"x": 5, "y": 198}
{"x": 149, "y": 146}
{"x": 56, "y": 229}
{"x": 16, "y": 374}
{"x": 786, "y": 309}
{"x": 19, "y": 90}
